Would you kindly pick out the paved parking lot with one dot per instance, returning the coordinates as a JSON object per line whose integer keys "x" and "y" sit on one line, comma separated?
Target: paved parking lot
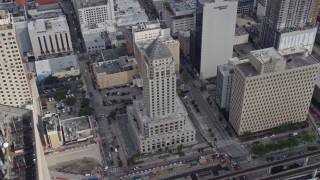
{"x": 117, "y": 95}
{"x": 72, "y": 88}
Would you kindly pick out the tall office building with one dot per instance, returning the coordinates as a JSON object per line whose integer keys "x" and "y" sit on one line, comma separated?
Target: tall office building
{"x": 159, "y": 120}
{"x": 143, "y": 34}
{"x": 272, "y": 89}
{"x": 215, "y": 27}
{"x": 289, "y": 23}
{"x": 14, "y": 87}
{"x": 94, "y": 11}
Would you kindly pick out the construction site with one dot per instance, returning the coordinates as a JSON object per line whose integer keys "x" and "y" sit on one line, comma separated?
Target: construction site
{"x": 17, "y": 152}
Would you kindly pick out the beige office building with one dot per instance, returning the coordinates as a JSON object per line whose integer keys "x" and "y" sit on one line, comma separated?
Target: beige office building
{"x": 14, "y": 89}
{"x": 272, "y": 89}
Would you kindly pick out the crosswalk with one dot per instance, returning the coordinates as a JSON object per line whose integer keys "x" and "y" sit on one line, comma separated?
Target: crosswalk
{"x": 224, "y": 143}
{"x": 113, "y": 169}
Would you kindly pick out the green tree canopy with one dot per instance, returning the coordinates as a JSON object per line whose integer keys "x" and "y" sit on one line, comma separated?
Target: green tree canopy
{"x": 51, "y": 80}
{"x": 86, "y": 111}
{"x": 85, "y": 102}
{"x": 71, "y": 101}
{"x": 309, "y": 137}
{"x": 59, "y": 95}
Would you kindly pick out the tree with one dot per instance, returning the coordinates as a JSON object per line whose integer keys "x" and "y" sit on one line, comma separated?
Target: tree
{"x": 247, "y": 134}
{"x": 112, "y": 114}
{"x": 160, "y": 150}
{"x": 180, "y": 147}
{"x": 59, "y": 95}
{"x": 210, "y": 130}
{"x": 85, "y": 102}
{"x": 51, "y": 80}
{"x": 309, "y": 137}
{"x": 86, "y": 111}
{"x": 71, "y": 101}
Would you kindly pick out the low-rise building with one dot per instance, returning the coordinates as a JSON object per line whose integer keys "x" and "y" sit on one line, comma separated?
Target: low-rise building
{"x": 224, "y": 82}
{"x": 241, "y": 36}
{"x": 115, "y": 70}
{"x": 129, "y": 12}
{"x": 49, "y": 37}
{"x": 272, "y": 89}
{"x": 179, "y": 15}
{"x": 65, "y": 66}
{"x": 184, "y": 39}
{"x": 76, "y": 129}
{"x": 52, "y": 131}
{"x": 94, "y": 11}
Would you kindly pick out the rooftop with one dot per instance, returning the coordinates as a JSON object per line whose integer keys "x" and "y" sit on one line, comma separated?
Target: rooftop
{"x": 113, "y": 54}
{"x": 45, "y": 7}
{"x": 267, "y": 55}
{"x": 51, "y": 123}
{"x": 59, "y": 64}
{"x": 129, "y": 12}
{"x": 75, "y": 129}
{"x": 292, "y": 61}
{"x": 180, "y": 7}
{"x": 124, "y": 63}
{"x": 17, "y": 144}
{"x": 240, "y": 31}
{"x": 156, "y": 24}
{"x": 228, "y": 69}
{"x": 185, "y": 34}
{"x": 55, "y": 24}
{"x": 89, "y": 3}
{"x": 157, "y": 50}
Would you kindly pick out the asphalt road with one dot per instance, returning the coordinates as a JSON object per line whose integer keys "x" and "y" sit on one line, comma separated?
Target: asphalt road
{"x": 211, "y": 112}
{"x": 74, "y": 26}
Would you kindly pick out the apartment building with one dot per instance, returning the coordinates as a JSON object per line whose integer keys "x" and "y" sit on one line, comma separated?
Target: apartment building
{"x": 94, "y": 11}
{"x": 179, "y": 15}
{"x": 272, "y": 89}
{"x": 159, "y": 119}
{"x": 14, "y": 87}
{"x": 289, "y": 24}
{"x": 49, "y": 37}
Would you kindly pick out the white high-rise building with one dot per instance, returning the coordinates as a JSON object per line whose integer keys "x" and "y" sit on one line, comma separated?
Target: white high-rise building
{"x": 217, "y": 34}
{"x": 50, "y": 36}
{"x": 160, "y": 119}
{"x": 14, "y": 87}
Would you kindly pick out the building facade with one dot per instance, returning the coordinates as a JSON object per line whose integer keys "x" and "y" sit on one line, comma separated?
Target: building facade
{"x": 145, "y": 33}
{"x": 14, "y": 87}
{"x": 179, "y": 15}
{"x": 184, "y": 40}
{"x": 245, "y": 6}
{"x": 271, "y": 90}
{"x": 224, "y": 82}
{"x": 94, "y": 11}
{"x": 49, "y": 37}
{"x": 160, "y": 120}
{"x": 284, "y": 16}
{"x": 216, "y": 22}
{"x": 117, "y": 72}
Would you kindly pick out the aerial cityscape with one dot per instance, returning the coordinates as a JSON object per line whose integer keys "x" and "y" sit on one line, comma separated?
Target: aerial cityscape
{"x": 159, "y": 90}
